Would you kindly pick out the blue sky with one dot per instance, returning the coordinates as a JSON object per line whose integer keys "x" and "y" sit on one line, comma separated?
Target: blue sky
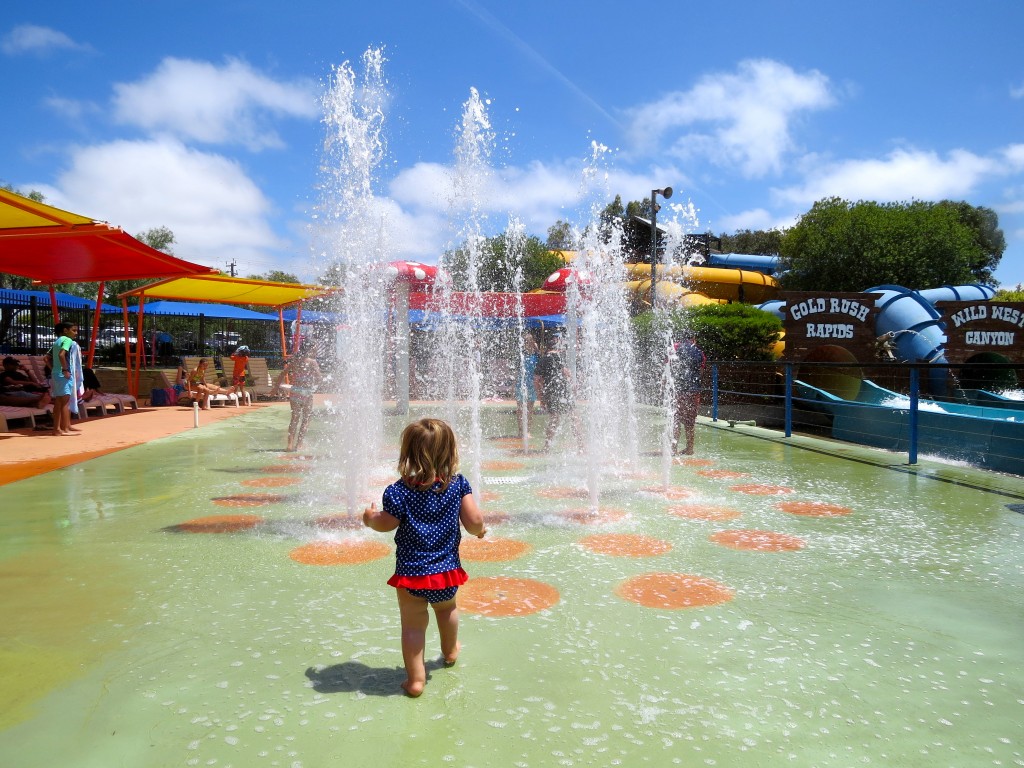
{"x": 206, "y": 118}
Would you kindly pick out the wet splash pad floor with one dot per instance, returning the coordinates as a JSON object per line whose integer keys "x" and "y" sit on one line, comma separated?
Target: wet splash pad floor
{"x": 160, "y": 609}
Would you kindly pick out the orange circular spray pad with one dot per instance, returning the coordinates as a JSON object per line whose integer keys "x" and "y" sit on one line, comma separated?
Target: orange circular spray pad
{"x": 703, "y": 512}
{"x": 598, "y": 516}
{"x": 813, "y": 508}
{"x": 721, "y": 474}
{"x": 491, "y": 550}
{"x": 672, "y": 492}
{"x": 298, "y": 457}
{"x": 339, "y": 552}
{"x": 564, "y": 492}
{"x": 283, "y": 469}
{"x": 248, "y": 500}
{"x": 505, "y": 596}
{"x": 501, "y": 466}
{"x": 488, "y": 496}
{"x": 339, "y": 522}
{"x": 692, "y": 462}
{"x": 270, "y": 482}
{"x": 758, "y": 541}
{"x": 626, "y": 545}
{"x": 673, "y": 590}
{"x": 757, "y": 489}
{"x": 219, "y": 524}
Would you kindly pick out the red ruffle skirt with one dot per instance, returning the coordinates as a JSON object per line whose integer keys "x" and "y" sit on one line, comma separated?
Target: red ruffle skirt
{"x": 453, "y": 578}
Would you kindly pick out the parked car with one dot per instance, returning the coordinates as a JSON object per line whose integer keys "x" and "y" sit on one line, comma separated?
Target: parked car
{"x": 224, "y": 341}
{"x": 109, "y": 337}
{"x": 44, "y": 336}
{"x": 113, "y": 338}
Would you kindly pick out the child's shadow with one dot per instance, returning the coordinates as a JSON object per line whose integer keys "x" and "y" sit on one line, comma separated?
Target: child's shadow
{"x": 354, "y": 676}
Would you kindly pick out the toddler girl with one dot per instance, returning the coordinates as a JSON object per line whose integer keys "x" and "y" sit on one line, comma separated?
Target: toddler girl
{"x": 426, "y": 506}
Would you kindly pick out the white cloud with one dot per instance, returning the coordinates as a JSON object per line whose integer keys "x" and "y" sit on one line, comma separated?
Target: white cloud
{"x": 199, "y": 101}
{"x": 40, "y": 41}
{"x": 1014, "y": 155}
{"x": 72, "y": 110}
{"x": 422, "y": 218}
{"x": 741, "y": 119}
{"x": 903, "y": 175}
{"x": 1017, "y": 92}
{"x": 214, "y": 210}
{"x": 753, "y": 219}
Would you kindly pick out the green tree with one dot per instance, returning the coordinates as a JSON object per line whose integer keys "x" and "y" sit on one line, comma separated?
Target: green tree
{"x": 560, "y": 236}
{"x": 1016, "y": 293}
{"x": 276, "y": 276}
{"x": 763, "y": 242}
{"x": 842, "y": 246}
{"x": 724, "y": 331}
{"x": 503, "y": 266}
{"x": 984, "y": 223}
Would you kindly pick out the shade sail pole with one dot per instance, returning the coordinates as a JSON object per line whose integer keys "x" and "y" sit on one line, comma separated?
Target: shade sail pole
{"x": 53, "y": 305}
{"x": 127, "y": 347}
{"x": 140, "y": 346}
{"x": 95, "y": 325}
{"x": 284, "y": 337}
{"x": 297, "y": 336}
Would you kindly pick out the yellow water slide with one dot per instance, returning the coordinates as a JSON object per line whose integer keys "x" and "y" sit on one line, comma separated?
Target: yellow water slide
{"x": 738, "y": 285}
{"x": 669, "y": 293}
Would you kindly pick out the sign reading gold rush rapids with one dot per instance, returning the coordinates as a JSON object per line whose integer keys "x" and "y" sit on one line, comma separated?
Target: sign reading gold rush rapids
{"x": 815, "y": 319}
{"x": 982, "y": 326}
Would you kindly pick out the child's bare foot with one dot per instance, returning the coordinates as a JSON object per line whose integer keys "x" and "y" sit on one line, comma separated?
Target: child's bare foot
{"x": 449, "y": 661}
{"x": 412, "y": 690}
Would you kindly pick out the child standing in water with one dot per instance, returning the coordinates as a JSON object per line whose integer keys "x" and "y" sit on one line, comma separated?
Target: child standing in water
{"x": 426, "y": 507}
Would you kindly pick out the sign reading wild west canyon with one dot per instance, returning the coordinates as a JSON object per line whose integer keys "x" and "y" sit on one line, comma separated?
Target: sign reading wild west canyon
{"x": 973, "y": 327}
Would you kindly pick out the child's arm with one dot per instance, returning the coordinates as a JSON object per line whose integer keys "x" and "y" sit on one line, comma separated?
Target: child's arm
{"x": 471, "y": 517}
{"x": 378, "y": 519}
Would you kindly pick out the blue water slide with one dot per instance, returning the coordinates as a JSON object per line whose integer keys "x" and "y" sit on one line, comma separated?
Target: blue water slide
{"x": 774, "y": 306}
{"x": 752, "y": 262}
{"x": 972, "y": 292}
{"x": 912, "y": 322}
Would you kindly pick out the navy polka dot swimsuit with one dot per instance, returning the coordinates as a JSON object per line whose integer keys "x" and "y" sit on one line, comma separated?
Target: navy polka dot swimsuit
{"x": 427, "y": 539}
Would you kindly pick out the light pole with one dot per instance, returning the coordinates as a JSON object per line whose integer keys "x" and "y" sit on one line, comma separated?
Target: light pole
{"x": 666, "y": 193}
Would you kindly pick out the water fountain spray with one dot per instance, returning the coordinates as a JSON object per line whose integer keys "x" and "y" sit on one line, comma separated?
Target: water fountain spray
{"x": 352, "y": 241}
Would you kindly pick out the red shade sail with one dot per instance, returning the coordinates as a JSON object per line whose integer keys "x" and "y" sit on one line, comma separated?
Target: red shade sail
{"x": 49, "y": 245}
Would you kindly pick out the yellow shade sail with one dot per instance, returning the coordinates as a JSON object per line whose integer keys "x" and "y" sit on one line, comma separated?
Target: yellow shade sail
{"x": 224, "y": 289}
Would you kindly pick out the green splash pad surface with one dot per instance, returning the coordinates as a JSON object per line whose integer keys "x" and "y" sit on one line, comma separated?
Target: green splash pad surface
{"x": 891, "y": 638}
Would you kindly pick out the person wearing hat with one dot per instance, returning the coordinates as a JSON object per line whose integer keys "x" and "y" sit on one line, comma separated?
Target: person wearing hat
{"x": 241, "y": 360}
{"x": 17, "y": 387}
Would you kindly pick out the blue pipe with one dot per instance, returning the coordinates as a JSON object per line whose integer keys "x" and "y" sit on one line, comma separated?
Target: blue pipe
{"x": 752, "y": 262}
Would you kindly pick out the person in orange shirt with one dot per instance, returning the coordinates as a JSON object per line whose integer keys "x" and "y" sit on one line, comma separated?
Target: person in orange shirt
{"x": 241, "y": 360}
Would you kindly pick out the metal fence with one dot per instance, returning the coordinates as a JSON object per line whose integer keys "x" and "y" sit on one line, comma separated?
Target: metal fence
{"x": 972, "y": 414}
{"x": 27, "y": 327}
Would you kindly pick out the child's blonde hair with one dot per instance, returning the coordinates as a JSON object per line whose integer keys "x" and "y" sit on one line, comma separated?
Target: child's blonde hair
{"x": 429, "y": 454}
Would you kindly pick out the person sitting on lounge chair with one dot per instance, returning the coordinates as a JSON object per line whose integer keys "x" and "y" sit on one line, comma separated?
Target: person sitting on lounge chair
{"x": 199, "y": 390}
{"x": 18, "y": 389}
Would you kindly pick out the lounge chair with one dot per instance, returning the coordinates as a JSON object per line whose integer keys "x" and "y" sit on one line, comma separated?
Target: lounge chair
{"x": 10, "y": 413}
{"x": 114, "y": 385}
{"x": 262, "y": 384}
{"x": 213, "y": 378}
